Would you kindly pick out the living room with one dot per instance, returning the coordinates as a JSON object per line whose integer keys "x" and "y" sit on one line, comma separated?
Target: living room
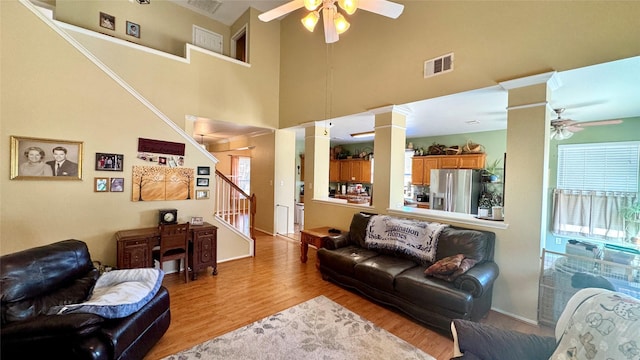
{"x": 36, "y": 213}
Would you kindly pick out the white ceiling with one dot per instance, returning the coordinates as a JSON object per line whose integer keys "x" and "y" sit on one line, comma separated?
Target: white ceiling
{"x": 599, "y": 92}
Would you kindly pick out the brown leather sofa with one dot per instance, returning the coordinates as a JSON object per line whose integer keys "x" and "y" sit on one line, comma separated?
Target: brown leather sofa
{"x": 394, "y": 280}
{"x": 62, "y": 273}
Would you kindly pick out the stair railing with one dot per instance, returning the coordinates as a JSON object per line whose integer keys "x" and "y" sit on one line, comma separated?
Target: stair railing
{"x": 234, "y": 206}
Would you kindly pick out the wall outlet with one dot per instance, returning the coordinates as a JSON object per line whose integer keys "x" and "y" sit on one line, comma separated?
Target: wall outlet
{"x": 558, "y": 241}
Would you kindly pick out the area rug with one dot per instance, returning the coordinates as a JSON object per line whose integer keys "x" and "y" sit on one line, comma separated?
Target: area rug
{"x": 316, "y": 329}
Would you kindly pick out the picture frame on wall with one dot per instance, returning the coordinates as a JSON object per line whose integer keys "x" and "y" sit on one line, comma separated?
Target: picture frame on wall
{"x": 204, "y": 170}
{"x": 101, "y": 184}
{"x": 202, "y": 181}
{"x": 109, "y": 162}
{"x": 107, "y": 21}
{"x": 116, "y": 184}
{"x": 45, "y": 159}
{"x": 133, "y": 29}
{"x": 202, "y": 194}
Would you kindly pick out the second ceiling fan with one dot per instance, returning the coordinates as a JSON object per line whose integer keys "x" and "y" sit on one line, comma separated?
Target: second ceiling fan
{"x": 334, "y": 22}
{"x": 562, "y": 129}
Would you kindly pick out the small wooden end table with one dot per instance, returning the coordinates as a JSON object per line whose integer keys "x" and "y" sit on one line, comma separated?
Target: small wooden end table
{"x": 313, "y": 237}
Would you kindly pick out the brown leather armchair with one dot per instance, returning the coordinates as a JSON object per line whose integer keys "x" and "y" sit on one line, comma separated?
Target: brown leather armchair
{"x": 34, "y": 280}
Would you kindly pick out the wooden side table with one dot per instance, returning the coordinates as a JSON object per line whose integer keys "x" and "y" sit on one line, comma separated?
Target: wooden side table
{"x": 312, "y": 237}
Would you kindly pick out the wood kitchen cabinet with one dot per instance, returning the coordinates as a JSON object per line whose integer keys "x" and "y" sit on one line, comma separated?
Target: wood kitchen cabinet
{"x": 355, "y": 170}
{"x": 421, "y": 166}
{"x": 334, "y": 170}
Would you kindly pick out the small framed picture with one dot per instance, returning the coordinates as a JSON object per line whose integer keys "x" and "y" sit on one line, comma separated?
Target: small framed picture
{"x": 202, "y": 181}
{"x": 203, "y": 170}
{"x": 162, "y": 160}
{"x": 202, "y": 194}
{"x": 133, "y": 29}
{"x": 116, "y": 185}
{"x": 107, "y": 21}
{"x": 101, "y": 184}
{"x": 197, "y": 220}
{"x": 109, "y": 162}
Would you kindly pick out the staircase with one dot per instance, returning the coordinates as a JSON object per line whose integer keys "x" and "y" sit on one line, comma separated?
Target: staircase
{"x": 235, "y": 207}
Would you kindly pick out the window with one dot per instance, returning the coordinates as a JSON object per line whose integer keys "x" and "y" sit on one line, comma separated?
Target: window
{"x": 599, "y": 166}
{"x": 595, "y": 183}
{"x": 241, "y": 172}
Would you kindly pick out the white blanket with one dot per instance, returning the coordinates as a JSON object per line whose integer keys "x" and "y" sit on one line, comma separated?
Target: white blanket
{"x": 118, "y": 293}
{"x": 414, "y": 238}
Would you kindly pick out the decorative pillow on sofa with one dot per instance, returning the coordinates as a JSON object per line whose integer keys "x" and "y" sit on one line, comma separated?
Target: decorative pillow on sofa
{"x": 450, "y": 267}
{"x": 446, "y": 266}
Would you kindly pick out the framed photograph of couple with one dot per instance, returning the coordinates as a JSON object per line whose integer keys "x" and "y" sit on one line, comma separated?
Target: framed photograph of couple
{"x": 109, "y": 162}
{"x": 45, "y": 159}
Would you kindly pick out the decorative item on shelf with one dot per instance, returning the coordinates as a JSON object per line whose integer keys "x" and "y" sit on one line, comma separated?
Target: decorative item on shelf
{"x": 436, "y": 149}
{"x": 472, "y": 148}
{"x": 196, "y": 220}
{"x": 168, "y": 216}
{"x": 453, "y": 150}
{"x": 490, "y": 171}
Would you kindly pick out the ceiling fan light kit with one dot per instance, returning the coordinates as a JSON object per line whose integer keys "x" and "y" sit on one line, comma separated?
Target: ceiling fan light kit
{"x": 334, "y": 22}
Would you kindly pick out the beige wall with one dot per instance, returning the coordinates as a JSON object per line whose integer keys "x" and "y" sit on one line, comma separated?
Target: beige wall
{"x": 155, "y": 30}
{"x": 379, "y": 61}
{"x": 53, "y": 91}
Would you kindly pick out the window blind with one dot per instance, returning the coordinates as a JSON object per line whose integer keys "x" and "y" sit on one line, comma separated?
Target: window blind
{"x": 599, "y": 166}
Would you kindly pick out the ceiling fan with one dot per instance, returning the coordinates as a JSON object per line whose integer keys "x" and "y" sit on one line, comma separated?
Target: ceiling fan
{"x": 562, "y": 129}
{"x": 334, "y": 22}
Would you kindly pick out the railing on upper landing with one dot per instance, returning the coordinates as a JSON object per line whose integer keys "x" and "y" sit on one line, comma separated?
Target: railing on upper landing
{"x": 234, "y": 206}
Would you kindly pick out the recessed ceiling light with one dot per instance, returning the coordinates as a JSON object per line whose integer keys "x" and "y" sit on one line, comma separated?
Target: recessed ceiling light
{"x": 473, "y": 122}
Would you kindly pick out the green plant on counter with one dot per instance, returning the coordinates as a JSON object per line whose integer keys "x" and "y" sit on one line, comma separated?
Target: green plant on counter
{"x": 631, "y": 216}
{"x": 489, "y": 199}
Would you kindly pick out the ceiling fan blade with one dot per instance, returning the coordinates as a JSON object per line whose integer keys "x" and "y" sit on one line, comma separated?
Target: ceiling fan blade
{"x": 562, "y": 122}
{"x": 382, "y": 7}
{"x": 281, "y": 10}
{"x": 330, "y": 31}
{"x": 574, "y": 128}
{"x": 598, "y": 123}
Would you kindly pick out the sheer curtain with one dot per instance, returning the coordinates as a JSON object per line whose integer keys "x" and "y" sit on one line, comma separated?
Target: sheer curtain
{"x": 594, "y": 214}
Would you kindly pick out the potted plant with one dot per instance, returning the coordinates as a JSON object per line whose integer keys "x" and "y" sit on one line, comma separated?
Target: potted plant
{"x": 488, "y": 200}
{"x": 631, "y": 220}
{"x": 490, "y": 171}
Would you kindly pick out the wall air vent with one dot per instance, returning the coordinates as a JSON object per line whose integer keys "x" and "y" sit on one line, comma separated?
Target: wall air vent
{"x": 438, "y": 65}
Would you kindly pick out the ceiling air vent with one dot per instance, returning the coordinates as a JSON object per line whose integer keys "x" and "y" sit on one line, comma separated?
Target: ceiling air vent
{"x": 207, "y": 6}
{"x": 438, "y": 65}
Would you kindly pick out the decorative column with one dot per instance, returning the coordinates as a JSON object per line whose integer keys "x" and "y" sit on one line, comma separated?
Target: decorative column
{"x": 526, "y": 190}
{"x": 316, "y": 167}
{"x": 388, "y": 157}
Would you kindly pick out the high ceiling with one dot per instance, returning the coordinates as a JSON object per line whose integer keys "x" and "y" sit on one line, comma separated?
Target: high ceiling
{"x": 599, "y": 92}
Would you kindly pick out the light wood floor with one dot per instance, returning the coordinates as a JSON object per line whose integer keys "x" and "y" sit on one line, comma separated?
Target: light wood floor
{"x": 249, "y": 289}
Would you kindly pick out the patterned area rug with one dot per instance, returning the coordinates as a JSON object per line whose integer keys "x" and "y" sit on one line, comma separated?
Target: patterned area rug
{"x": 316, "y": 329}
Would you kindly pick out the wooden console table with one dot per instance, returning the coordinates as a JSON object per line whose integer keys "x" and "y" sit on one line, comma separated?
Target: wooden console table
{"x": 135, "y": 245}
{"x": 313, "y": 237}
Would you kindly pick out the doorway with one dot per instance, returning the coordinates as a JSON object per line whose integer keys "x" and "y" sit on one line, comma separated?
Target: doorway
{"x": 239, "y": 45}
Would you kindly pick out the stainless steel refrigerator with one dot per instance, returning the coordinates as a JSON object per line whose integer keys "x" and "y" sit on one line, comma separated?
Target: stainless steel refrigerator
{"x": 455, "y": 190}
